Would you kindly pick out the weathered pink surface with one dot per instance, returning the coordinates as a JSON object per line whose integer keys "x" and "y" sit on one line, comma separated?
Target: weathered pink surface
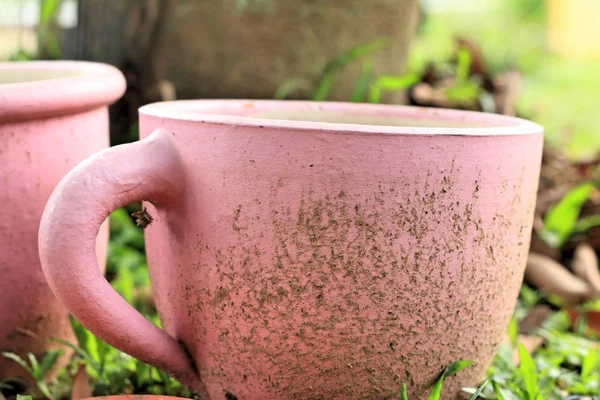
{"x": 295, "y": 259}
{"x": 46, "y": 128}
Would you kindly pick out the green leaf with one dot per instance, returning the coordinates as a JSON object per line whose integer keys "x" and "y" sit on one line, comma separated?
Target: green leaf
{"x": 49, "y": 10}
{"x": 466, "y": 91}
{"x": 18, "y": 360}
{"x": 463, "y": 65}
{"x": 123, "y": 284}
{"x": 45, "y": 390}
{"x": 561, "y": 219}
{"x": 291, "y": 86}
{"x": 24, "y": 397}
{"x": 34, "y": 366}
{"x": 455, "y": 367}
{"x": 588, "y": 366}
{"x": 587, "y": 223}
{"x": 48, "y": 362}
{"x": 528, "y": 373}
{"x": 403, "y": 394}
{"x": 362, "y": 84}
{"x": 390, "y": 83}
{"x": 479, "y": 390}
{"x": 336, "y": 65}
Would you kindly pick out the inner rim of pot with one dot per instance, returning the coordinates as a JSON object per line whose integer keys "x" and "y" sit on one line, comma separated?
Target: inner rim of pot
{"x": 342, "y": 116}
{"x": 36, "y": 75}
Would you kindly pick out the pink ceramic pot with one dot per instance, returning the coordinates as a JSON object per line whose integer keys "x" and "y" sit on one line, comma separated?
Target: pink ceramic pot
{"x": 52, "y": 116}
{"x": 307, "y": 250}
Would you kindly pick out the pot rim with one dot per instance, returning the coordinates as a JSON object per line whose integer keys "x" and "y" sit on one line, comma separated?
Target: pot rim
{"x": 58, "y": 88}
{"x": 215, "y": 111}
{"x": 135, "y": 397}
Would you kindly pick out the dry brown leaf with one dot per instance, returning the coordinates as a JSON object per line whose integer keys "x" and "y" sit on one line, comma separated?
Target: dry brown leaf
{"x": 551, "y": 277}
{"x": 81, "y": 384}
{"x": 585, "y": 266}
{"x": 534, "y": 319}
{"x": 531, "y": 343}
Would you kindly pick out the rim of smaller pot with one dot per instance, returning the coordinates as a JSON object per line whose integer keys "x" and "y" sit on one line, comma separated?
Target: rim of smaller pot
{"x": 41, "y": 89}
{"x": 135, "y": 397}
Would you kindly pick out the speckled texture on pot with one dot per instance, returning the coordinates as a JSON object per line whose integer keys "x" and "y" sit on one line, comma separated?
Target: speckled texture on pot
{"x": 52, "y": 116}
{"x": 295, "y": 260}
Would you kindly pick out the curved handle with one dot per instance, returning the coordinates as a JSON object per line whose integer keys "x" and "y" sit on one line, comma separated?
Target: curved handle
{"x": 150, "y": 170}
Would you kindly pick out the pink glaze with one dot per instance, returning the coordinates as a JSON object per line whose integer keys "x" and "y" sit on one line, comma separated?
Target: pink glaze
{"x": 47, "y": 126}
{"x": 295, "y": 259}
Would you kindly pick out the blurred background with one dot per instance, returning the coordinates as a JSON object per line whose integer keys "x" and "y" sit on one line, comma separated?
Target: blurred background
{"x": 546, "y": 51}
{"x": 536, "y": 59}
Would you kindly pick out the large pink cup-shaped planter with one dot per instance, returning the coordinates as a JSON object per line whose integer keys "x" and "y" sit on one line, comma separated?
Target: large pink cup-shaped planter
{"x": 307, "y": 250}
{"x": 52, "y": 116}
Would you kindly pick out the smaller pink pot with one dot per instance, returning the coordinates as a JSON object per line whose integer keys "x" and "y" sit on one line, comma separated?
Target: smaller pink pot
{"x": 52, "y": 116}
{"x": 135, "y": 397}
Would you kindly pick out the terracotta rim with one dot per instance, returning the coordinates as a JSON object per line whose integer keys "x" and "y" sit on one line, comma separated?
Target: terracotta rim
{"x": 215, "y": 111}
{"x": 87, "y": 85}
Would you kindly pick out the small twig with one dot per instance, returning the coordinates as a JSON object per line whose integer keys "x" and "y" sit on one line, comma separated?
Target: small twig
{"x": 26, "y": 332}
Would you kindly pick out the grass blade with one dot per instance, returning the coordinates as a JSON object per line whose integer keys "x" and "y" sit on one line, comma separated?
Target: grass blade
{"x": 479, "y": 390}
{"x": 528, "y": 373}
{"x": 403, "y": 394}
{"x": 291, "y": 86}
{"x": 336, "y": 65}
{"x": 79, "y": 351}
{"x": 455, "y": 367}
{"x": 362, "y": 84}
{"x": 18, "y": 360}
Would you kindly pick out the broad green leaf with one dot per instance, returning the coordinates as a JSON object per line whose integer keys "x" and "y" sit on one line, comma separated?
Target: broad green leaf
{"x": 48, "y": 361}
{"x": 588, "y": 366}
{"x": 455, "y": 367}
{"x": 24, "y": 397}
{"x": 561, "y": 219}
{"x": 528, "y": 374}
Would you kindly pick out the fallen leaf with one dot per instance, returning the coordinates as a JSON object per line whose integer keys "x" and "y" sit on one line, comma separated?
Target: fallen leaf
{"x": 530, "y": 343}
{"x": 585, "y": 266}
{"x": 551, "y": 277}
{"x": 534, "y": 319}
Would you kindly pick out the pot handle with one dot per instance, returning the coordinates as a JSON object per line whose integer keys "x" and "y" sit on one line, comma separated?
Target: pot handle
{"x": 151, "y": 170}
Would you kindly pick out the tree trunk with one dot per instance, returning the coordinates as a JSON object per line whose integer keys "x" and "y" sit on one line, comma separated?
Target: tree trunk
{"x": 219, "y": 49}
